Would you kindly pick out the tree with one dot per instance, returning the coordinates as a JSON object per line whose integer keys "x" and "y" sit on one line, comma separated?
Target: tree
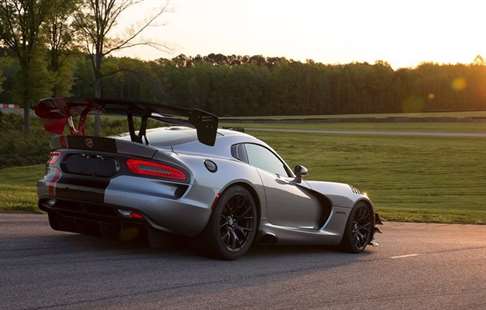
{"x": 2, "y": 72}
{"x": 479, "y": 60}
{"x": 2, "y": 79}
{"x": 96, "y": 19}
{"x": 60, "y": 39}
{"x": 20, "y": 29}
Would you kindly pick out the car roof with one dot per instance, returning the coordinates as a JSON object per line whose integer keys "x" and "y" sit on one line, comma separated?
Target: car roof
{"x": 182, "y": 139}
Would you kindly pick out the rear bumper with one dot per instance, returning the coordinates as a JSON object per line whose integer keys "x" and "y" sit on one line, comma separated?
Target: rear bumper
{"x": 100, "y": 221}
{"x": 155, "y": 201}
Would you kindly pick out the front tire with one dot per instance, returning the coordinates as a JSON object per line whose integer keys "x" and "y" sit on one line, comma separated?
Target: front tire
{"x": 359, "y": 228}
{"x": 233, "y": 224}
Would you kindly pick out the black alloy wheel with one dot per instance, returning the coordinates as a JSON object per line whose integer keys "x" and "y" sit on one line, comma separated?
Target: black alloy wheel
{"x": 237, "y": 222}
{"x": 360, "y": 228}
{"x": 233, "y": 224}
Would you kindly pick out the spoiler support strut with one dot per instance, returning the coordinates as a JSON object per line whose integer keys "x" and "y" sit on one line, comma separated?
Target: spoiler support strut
{"x": 142, "y": 133}
{"x": 79, "y": 131}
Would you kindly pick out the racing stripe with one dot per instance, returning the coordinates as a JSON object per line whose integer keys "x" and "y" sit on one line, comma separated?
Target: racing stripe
{"x": 92, "y": 143}
{"x": 81, "y": 188}
{"x": 105, "y": 145}
{"x": 51, "y": 184}
{"x": 82, "y": 185}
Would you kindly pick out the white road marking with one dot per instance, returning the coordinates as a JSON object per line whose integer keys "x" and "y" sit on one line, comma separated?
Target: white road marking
{"x": 404, "y": 256}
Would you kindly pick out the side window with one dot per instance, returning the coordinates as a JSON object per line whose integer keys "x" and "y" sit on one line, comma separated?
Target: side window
{"x": 264, "y": 159}
{"x": 238, "y": 151}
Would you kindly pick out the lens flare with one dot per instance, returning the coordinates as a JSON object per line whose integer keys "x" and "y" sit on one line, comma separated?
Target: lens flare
{"x": 459, "y": 84}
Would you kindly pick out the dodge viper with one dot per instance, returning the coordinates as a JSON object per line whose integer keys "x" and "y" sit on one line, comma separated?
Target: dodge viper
{"x": 189, "y": 178}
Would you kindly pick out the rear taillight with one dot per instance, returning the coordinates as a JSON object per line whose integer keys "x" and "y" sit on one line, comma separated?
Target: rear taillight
{"x": 53, "y": 157}
{"x": 156, "y": 169}
{"x": 131, "y": 214}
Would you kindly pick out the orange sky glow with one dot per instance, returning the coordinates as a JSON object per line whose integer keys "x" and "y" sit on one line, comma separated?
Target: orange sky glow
{"x": 404, "y": 33}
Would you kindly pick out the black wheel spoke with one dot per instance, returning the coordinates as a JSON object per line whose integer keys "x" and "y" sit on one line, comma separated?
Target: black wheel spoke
{"x": 247, "y": 218}
{"x": 235, "y": 239}
{"x": 226, "y": 236}
{"x": 243, "y": 230}
{"x": 223, "y": 224}
{"x": 242, "y": 203}
{"x": 366, "y": 227}
{"x": 245, "y": 212}
{"x": 362, "y": 227}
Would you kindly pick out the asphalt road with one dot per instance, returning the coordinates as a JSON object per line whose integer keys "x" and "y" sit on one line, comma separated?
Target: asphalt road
{"x": 392, "y": 133}
{"x": 417, "y": 266}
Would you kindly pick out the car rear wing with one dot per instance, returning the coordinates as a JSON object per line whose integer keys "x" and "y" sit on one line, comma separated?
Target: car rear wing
{"x": 55, "y": 113}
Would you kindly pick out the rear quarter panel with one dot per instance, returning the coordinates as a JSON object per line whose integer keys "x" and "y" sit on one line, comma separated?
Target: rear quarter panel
{"x": 206, "y": 185}
{"x": 189, "y": 214}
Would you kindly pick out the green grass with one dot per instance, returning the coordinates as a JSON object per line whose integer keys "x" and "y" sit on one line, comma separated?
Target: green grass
{"x": 18, "y": 188}
{"x": 465, "y": 114}
{"x": 385, "y": 126}
{"x": 408, "y": 178}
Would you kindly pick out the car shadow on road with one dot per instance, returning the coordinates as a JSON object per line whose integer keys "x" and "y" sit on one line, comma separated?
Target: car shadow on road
{"x": 185, "y": 248}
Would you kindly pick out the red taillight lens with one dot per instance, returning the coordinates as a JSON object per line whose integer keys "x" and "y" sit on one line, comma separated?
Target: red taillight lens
{"x": 155, "y": 169}
{"x": 136, "y": 216}
{"x": 53, "y": 157}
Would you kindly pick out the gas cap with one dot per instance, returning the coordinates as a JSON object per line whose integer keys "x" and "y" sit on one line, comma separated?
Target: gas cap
{"x": 210, "y": 165}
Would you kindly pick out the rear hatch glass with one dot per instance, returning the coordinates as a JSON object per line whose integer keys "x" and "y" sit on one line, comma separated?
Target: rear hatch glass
{"x": 165, "y": 137}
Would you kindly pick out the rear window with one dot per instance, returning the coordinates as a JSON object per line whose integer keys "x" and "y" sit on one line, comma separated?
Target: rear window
{"x": 167, "y": 136}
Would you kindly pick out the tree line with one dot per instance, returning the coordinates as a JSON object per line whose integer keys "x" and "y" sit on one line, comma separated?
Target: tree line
{"x": 257, "y": 85}
{"x": 64, "y": 48}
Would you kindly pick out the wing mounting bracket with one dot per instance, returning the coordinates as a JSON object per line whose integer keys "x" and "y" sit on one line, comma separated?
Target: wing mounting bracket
{"x": 142, "y": 132}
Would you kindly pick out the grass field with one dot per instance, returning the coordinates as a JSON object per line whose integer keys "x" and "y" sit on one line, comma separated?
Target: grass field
{"x": 409, "y": 179}
{"x": 388, "y": 126}
{"x": 18, "y": 188}
{"x": 418, "y": 116}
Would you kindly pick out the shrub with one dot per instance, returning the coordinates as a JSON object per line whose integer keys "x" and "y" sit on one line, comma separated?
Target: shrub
{"x": 17, "y": 149}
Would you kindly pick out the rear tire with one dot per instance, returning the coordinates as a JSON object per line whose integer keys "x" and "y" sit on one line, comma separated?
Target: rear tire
{"x": 233, "y": 225}
{"x": 359, "y": 229}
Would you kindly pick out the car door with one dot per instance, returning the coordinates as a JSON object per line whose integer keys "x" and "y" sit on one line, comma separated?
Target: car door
{"x": 287, "y": 204}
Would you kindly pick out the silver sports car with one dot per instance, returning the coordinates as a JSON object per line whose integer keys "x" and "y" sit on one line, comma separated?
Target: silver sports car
{"x": 226, "y": 188}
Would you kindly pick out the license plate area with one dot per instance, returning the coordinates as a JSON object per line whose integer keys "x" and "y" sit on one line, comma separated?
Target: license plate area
{"x": 90, "y": 165}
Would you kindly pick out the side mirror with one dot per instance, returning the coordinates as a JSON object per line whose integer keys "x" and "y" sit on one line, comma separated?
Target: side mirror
{"x": 299, "y": 172}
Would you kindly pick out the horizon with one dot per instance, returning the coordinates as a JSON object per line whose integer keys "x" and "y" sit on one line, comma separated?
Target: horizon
{"x": 119, "y": 55}
{"x": 403, "y": 34}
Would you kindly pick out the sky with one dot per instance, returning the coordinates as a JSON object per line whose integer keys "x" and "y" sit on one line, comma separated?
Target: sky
{"x": 402, "y": 32}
